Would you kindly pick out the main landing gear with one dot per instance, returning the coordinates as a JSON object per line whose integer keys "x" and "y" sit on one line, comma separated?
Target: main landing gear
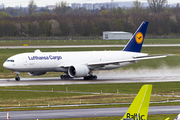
{"x": 65, "y": 77}
{"x": 90, "y": 77}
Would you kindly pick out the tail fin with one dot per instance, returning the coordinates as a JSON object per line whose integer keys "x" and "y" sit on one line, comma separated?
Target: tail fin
{"x": 139, "y": 107}
{"x": 135, "y": 43}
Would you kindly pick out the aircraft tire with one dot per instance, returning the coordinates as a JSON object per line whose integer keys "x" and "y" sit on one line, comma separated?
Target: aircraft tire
{"x": 95, "y": 77}
{"x": 65, "y": 77}
{"x": 91, "y": 77}
{"x": 62, "y": 77}
{"x": 17, "y": 78}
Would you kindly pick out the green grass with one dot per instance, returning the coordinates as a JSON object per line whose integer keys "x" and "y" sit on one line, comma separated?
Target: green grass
{"x": 162, "y": 41}
{"x": 159, "y": 88}
{"x": 83, "y": 42}
{"x": 62, "y": 42}
{"x": 29, "y": 98}
{"x": 44, "y": 94}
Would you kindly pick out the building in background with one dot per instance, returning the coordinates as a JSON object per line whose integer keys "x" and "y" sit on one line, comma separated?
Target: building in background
{"x": 88, "y": 6}
{"x": 50, "y": 7}
{"x": 116, "y": 35}
{"x": 2, "y": 6}
{"x": 76, "y": 5}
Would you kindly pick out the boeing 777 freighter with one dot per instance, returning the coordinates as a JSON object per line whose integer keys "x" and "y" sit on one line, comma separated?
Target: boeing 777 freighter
{"x": 80, "y": 64}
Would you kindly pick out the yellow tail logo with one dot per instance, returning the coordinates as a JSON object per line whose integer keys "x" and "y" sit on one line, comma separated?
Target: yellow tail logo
{"x": 139, "y": 107}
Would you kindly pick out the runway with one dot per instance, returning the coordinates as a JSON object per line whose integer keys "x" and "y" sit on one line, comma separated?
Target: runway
{"x": 75, "y": 113}
{"x": 101, "y": 80}
{"x": 112, "y": 76}
{"x": 83, "y": 46}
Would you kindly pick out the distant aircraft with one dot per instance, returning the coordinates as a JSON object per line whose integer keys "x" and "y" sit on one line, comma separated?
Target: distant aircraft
{"x": 139, "y": 107}
{"x": 80, "y": 64}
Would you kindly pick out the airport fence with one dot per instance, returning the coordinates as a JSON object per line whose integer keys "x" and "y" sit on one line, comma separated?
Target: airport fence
{"x": 84, "y": 37}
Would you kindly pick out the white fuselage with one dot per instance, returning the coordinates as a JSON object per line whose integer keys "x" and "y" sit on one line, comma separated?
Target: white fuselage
{"x": 57, "y": 61}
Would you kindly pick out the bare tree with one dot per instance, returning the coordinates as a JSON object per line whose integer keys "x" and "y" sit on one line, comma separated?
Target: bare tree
{"x": 61, "y": 7}
{"x": 156, "y": 5}
{"x": 54, "y": 27}
{"x": 137, "y": 6}
{"x": 32, "y": 6}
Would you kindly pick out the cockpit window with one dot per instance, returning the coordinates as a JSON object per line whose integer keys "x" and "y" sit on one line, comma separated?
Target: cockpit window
{"x": 10, "y": 61}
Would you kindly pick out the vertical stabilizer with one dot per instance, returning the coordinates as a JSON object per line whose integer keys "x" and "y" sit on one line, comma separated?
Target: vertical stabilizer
{"x": 139, "y": 107}
{"x": 136, "y": 42}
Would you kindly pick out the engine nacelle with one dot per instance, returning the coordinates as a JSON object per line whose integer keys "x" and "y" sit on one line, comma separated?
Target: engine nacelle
{"x": 78, "y": 71}
{"x": 36, "y": 73}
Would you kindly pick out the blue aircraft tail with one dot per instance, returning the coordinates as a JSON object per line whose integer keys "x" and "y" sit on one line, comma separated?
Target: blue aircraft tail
{"x": 136, "y": 42}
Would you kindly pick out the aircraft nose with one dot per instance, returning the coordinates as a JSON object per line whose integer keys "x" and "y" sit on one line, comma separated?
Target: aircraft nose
{"x": 5, "y": 65}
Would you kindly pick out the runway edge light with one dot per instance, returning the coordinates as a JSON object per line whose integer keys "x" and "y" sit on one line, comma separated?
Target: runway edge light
{"x": 139, "y": 107}
{"x": 8, "y": 114}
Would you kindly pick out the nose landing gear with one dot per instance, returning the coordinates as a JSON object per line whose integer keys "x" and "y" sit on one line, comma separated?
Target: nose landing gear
{"x": 17, "y": 78}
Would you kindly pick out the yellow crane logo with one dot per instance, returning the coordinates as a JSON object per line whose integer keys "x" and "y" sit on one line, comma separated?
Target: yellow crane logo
{"x": 139, "y": 37}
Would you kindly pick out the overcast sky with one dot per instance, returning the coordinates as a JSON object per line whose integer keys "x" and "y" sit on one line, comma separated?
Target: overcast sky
{"x": 42, "y": 3}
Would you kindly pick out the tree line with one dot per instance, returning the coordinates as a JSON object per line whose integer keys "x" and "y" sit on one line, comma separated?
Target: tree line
{"x": 162, "y": 21}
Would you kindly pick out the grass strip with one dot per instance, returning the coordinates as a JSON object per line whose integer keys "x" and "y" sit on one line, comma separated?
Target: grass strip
{"x": 82, "y": 42}
{"x": 44, "y": 95}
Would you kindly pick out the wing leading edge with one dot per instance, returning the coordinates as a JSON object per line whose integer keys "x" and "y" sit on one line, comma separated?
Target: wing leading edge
{"x": 134, "y": 59}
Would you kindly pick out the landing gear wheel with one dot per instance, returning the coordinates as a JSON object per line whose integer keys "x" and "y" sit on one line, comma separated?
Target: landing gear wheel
{"x": 91, "y": 77}
{"x": 95, "y": 77}
{"x": 65, "y": 77}
{"x": 17, "y": 78}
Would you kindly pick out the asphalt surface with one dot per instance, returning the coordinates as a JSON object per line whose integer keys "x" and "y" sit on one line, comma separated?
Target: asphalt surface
{"x": 75, "y": 113}
{"x": 106, "y": 79}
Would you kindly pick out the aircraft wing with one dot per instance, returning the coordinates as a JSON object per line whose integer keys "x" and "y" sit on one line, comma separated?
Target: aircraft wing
{"x": 134, "y": 59}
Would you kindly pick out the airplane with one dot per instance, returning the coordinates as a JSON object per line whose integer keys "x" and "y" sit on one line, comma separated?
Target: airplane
{"x": 139, "y": 107}
{"x": 80, "y": 64}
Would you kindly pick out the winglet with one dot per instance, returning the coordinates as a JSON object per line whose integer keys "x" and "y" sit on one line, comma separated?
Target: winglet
{"x": 136, "y": 42}
{"x": 139, "y": 107}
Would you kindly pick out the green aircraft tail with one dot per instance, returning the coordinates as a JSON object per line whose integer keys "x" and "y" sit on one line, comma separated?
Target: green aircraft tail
{"x": 139, "y": 107}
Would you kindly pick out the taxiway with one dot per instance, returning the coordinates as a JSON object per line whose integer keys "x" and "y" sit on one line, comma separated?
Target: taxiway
{"x": 76, "y": 113}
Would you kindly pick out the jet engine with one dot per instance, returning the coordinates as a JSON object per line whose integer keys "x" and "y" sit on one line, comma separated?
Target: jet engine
{"x": 78, "y": 71}
{"x": 36, "y": 73}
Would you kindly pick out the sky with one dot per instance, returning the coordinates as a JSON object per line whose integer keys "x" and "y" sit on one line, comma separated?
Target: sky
{"x": 43, "y": 3}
